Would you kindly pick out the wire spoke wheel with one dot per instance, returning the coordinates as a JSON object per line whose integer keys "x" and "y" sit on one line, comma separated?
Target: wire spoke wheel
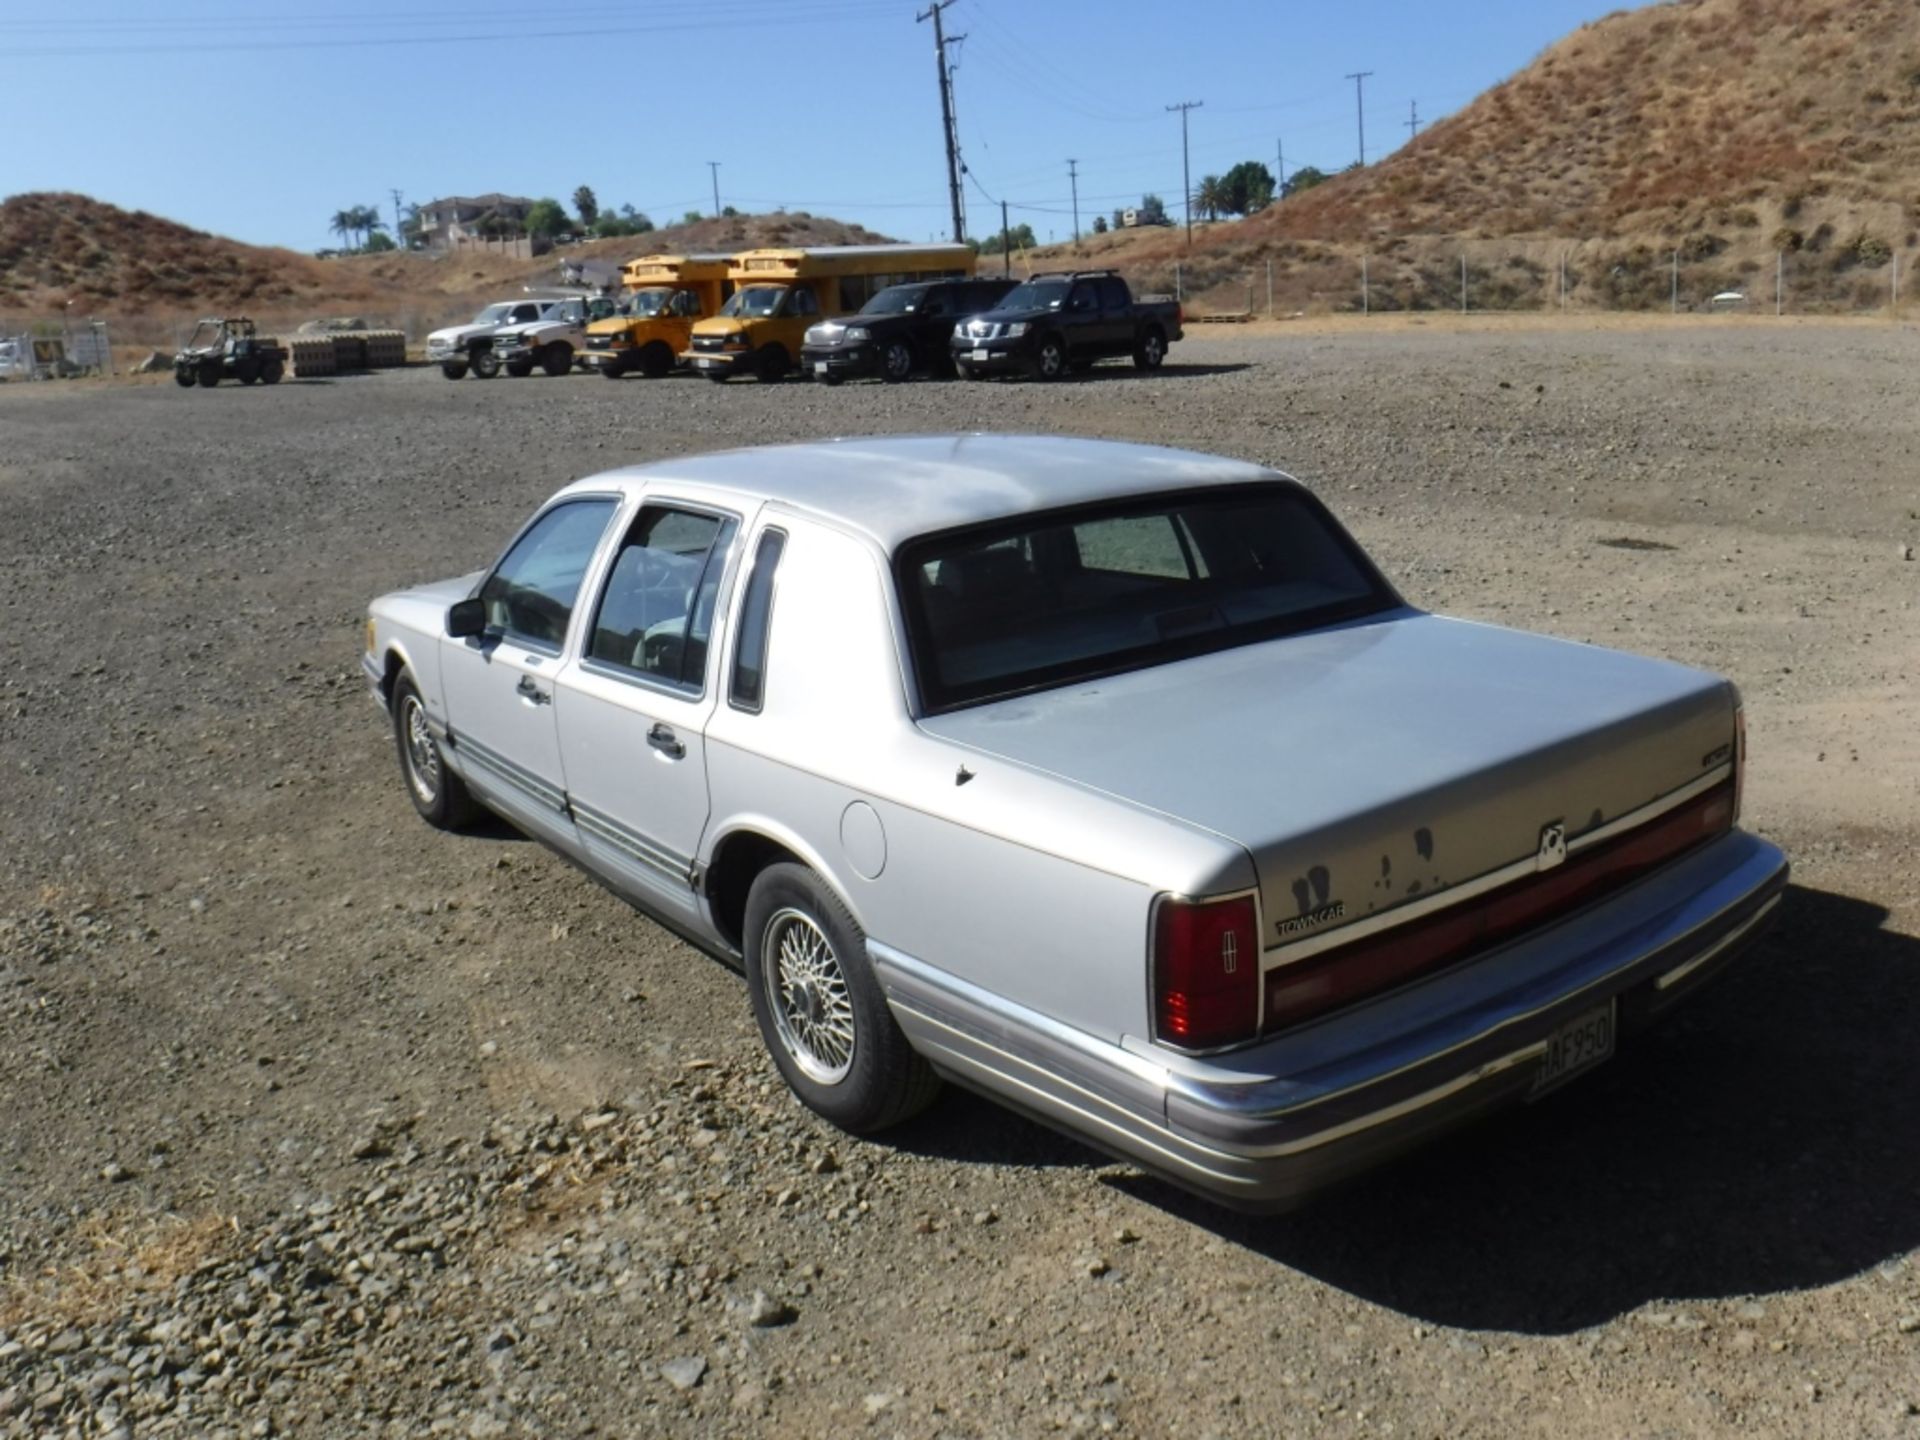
{"x": 423, "y": 759}
{"x": 808, "y": 996}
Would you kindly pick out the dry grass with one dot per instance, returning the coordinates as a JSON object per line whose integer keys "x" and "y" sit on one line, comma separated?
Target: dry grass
{"x": 151, "y": 277}
{"x": 1721, "y": 128}
{"x": 127, "y": 1258}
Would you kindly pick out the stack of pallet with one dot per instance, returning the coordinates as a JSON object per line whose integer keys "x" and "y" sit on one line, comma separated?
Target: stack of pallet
{"x": 312, "y": 355}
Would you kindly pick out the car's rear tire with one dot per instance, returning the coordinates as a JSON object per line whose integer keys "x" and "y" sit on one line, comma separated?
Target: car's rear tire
{"x": 454, "y": 369}
{"x": 966, "y": 371}
{"x": 1150, "y": 352}
{"x": 440, "y": 796}
{"x": 1050, "y": 358}
{"x": 615, "y": 368}
{"x": 519, "y": 369}
{"x": 896, "y": 362}
{"x": 272, "y": 371}
{"x": 557, "y": 358}
{"x": 656, "y": 359}
{"x": 821, "y": 1012}
{"x": 209, "y": 374}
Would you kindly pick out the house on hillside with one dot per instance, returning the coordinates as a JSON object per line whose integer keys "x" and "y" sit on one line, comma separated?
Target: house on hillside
{"x": 495, "y": 223}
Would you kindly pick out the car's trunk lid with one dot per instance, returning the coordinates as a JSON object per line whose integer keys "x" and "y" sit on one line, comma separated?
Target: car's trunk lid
{"x": 1368, "y": 765}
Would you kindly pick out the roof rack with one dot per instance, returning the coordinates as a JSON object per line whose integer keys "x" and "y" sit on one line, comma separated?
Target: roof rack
{"x": 1071, "y": 274}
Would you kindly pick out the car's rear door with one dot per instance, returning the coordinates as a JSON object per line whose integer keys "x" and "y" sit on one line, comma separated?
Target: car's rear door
{"x": 499, "y": 685}
{"x": 634, "y": 700}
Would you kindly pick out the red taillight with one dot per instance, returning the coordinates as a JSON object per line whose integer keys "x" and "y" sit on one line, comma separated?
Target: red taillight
{"x": 1206, "y": 972}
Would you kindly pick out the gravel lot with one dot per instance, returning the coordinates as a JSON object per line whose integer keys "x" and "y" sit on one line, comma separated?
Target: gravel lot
{"x": 322, "y": 1123}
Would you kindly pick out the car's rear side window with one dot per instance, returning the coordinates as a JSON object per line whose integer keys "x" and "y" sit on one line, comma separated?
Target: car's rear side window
{"x": 656, "y": 613}
{"x": 747, "y": 689}
{"x": 1052, "y": 598}
{"x": 530, "y": 594}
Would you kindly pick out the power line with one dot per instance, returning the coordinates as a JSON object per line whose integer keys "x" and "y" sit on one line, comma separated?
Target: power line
{"x": 1359, "y": 97}
{"x": 1186, "y": 170}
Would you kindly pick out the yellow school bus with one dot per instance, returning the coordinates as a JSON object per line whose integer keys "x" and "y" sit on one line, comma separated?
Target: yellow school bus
{"x": 666, "y": 295}
{"x": 777, "y": 294}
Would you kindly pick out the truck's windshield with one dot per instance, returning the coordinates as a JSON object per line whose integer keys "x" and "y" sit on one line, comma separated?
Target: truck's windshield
{"x": 756, "y": 302}
{"x": 898, "y": 300}
{"x": 493, "y": 314}
{"x": 1057, "y": 598}
{"x": 645, "y": 304}
{"x": 1036, "y": 295}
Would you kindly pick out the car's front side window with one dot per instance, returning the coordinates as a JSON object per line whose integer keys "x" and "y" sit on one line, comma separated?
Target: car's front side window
{"x": 530, "y": 594}
{"x": 656, "y": 615}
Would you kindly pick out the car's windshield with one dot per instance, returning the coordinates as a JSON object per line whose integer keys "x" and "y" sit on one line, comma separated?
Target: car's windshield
{"x": 648, "y": 303}
{"x": 755, "y": 302}
{"x": 899, "y": 300}
{"x": 493, "y": 314}
{"x": 1054, "y": 598}
{"x": 1036, "y": 295}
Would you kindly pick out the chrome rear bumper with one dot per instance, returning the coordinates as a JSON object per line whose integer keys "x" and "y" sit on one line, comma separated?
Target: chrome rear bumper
{"x": 1263, "y": 1127}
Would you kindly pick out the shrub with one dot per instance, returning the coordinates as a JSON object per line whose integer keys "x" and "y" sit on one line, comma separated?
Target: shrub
{"x": 1870, "y": 250}
{"x": 1701, "y": 247}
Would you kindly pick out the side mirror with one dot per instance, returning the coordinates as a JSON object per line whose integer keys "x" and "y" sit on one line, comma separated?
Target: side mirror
{"x": 467, "y": 618}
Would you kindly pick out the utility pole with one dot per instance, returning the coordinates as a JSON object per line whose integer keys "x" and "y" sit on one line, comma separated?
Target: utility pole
{"x": 1360, "y": 102}
{"x": 398, "y": 238}
{"x": 1280, "y": 175}
{"x": 714, "y": 166}
{"x": 1073, "y": 179}
{"x": 1186, "y": 172}
{"x": 1006, "y": 246}
{"x": 1413, "y": 118}
{"x": 947, "y": 128}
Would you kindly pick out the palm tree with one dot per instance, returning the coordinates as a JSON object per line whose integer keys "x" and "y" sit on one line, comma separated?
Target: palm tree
{"x": 1211, "y": 197}
{"x": 365, "y": 220}
{"x": 344, "y": 224}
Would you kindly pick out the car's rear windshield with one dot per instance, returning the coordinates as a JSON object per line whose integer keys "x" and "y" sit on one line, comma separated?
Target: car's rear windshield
{"x": 1062, "y": 596}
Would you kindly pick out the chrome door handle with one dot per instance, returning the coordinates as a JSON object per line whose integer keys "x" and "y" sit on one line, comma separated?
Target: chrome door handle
{"x": 662, "y": 738}
{"x": 530, "y": 691}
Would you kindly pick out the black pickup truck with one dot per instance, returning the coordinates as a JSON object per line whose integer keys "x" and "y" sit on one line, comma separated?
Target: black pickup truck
{"x": 1051, "y": 324}
{"x": 901, "y": 330}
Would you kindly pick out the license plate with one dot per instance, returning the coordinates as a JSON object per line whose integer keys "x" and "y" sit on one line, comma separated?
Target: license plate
{"x": 706, "y": 364}
{"x": 981, "y": 354}
{"x": 819, "y": 367}
{"x": 1579, "y": 1045}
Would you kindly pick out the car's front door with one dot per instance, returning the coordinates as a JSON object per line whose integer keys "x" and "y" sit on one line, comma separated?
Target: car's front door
{"x": 634, "y": 703}
{"x": 499, "y": 685}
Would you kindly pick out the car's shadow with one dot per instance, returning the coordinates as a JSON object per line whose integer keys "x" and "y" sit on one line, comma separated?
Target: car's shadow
{"x": 1171, "y": 370}
{"x": 1765, "y": 1138}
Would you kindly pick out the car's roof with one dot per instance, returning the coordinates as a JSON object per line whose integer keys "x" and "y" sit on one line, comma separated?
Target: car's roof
{"x": 894, "y": 488}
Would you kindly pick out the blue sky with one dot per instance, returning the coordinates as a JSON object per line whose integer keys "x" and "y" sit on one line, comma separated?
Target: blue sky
{"x": 260, "y": 118}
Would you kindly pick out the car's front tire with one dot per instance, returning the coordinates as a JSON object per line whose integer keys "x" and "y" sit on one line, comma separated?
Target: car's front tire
{"x": 821, "y": 1012}
{"x": 1050, "y": 359}
{"x": 557, "y": 359}
{"x": 454, "y": 369}
{"x": 896, "y": 362}
{"x": 440, "y": 796}
{"x": 485, "y": 362}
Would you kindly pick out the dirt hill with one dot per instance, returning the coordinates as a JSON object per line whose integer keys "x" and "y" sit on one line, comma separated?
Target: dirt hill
{"x": 1728, "y": 130}
{"x": 129, "y": 265}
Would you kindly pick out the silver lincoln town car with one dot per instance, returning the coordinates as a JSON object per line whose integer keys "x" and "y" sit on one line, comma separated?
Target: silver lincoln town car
{"x": 1112, "y": 781}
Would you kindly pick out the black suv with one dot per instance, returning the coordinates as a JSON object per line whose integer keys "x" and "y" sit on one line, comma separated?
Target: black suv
{"x": 902, "y": 330}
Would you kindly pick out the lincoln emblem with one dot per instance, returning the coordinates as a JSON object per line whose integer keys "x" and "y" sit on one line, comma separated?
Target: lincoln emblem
{"x": 1553, "y": 845}
{"x": 1229, "y": 953}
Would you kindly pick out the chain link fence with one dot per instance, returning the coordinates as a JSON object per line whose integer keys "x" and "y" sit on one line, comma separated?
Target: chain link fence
{"x": 1822, "y": 276}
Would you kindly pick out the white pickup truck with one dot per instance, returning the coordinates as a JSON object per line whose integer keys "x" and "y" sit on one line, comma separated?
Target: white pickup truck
{"x": 459, "y": 348}
{"x": 554, "y": 340}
